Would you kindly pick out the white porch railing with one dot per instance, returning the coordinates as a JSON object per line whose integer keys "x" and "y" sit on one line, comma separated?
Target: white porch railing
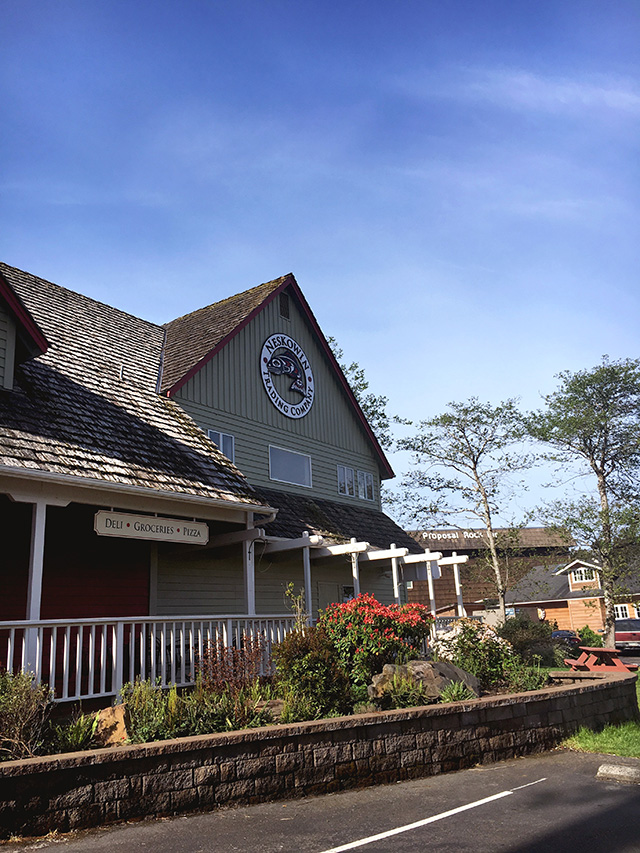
{"x": 90, "y": 658}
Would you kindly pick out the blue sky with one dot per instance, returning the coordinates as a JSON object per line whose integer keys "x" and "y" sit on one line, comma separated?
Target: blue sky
{"x": 454, "y": 184}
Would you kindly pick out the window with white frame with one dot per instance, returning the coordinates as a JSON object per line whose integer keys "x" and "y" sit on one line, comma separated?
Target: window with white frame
{"x": 346, "y": 481}
{"x": 224, "y": 441}
{"x": 622, "y": 611}
{"x": 580, "y": 575}
{"x": 355, "y": 483}
{"x": 365, "y": 485}
{"x": 287, "y": 466}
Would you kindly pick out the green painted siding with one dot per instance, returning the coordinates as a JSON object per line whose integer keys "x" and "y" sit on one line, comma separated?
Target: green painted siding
{"x": 7, "y": 348}
{"x": 228, "y": 395}
{"x": 198, "y": 584}
{"x": 272, "y": 579}
{"x": 327, "y": 582}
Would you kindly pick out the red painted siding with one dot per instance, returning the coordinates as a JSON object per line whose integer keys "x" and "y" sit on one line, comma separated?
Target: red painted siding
{"x": 15, "y": 536}
{"x": 87, "y": 575}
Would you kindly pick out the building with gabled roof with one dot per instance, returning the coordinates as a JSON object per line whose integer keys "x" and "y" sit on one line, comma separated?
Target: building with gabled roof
{"x": 177, "y": 475}
{"x": 531, "y": 546}
{"x": 569, "y": 596}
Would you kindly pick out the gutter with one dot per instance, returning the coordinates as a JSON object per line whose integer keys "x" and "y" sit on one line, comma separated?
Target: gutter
{"x": 137, "y": 491}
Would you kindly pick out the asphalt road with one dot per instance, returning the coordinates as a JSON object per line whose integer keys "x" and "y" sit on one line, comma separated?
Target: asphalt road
{"x": 551, "y": 803}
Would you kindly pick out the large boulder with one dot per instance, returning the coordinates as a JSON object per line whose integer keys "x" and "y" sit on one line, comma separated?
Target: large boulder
{"x": 111, "y": 728}
{"x": 434, "y": 675}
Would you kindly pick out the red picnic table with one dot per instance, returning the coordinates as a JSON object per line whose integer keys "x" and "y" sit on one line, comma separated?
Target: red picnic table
{"x": 597, "y": 659}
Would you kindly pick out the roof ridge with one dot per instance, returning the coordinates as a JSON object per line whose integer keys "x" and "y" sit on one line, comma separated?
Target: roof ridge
{"x": 273, "y": 284}
{"x": 98, "y": 302}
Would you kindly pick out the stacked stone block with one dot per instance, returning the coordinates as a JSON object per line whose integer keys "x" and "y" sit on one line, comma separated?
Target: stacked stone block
{"x": 92, "y": 788}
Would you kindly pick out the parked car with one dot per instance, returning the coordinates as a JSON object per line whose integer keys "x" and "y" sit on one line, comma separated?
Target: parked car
{"x": 568, "y": 637}
{"x": 627, "y": 633}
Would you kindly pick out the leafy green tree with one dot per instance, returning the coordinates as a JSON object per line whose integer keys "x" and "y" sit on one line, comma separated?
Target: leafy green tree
{"x": 465, "y": 461}
{"x": 374, "y": 406}
{"x": 591, "y": 427}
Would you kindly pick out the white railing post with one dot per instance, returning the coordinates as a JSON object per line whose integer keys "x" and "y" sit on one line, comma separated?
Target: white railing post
{"x": 306, "y": 571}
{"x": 118, "y": 668}
{"x": 87, "y": 657}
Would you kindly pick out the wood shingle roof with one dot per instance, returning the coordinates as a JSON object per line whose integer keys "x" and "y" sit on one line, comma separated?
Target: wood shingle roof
{"x": 89, "y": 407}
{"x": 337, "y": 522}
{"x": 194, "y": 338}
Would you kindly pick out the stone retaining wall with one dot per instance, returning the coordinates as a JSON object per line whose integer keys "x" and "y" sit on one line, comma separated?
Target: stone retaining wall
{"x": 91, "y": 788}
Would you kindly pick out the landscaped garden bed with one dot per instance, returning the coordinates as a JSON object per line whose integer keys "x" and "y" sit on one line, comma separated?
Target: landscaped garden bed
{"x": 66, "y": 792}
{"x": 354, "y": 705}
{"x": 361, "y": 656}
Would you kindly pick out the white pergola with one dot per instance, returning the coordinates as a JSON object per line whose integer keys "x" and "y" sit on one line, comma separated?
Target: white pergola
{"x": 404, "y": 566}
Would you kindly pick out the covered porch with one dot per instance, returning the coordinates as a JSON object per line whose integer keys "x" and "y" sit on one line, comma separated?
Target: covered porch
{"x": 88, "y": 614}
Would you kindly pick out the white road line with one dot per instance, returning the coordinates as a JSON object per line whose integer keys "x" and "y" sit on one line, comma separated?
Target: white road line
{"x": 362, "y": 841}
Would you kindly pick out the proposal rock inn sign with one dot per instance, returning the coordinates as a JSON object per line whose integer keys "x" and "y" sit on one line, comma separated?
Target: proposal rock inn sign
{"x": 108, "y": 419}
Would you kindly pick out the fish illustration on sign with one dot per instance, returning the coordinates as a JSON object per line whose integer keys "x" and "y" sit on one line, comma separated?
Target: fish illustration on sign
{"x": 287, "y": 364}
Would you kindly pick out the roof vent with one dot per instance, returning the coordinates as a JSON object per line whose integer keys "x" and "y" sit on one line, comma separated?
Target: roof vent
{"x": 284, "y": 306}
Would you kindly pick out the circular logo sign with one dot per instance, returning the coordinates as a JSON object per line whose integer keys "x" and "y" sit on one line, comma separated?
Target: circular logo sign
{"x": 293, "y": 394}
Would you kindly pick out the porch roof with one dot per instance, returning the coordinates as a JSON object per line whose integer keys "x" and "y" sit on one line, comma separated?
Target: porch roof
{"x": 88, "y": 408}
{"x": 336, "y": 522}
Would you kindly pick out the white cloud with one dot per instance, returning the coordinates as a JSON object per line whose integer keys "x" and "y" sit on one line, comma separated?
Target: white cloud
{"x": 534, "y": 92}
{"x": 513, "y": 88}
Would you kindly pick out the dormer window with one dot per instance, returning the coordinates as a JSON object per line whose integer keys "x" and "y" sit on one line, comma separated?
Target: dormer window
{"x": 582, "y": 575}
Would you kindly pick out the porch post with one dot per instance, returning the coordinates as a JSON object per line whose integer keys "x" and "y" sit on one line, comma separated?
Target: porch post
{"x": 355, "y": 571}
{"x": 456, "y": 578}
{"x": 394, "y": 575}
{"x": 432, "y": 597}
{"x": 34, "y": 589}
{"x": 36, "y": 560}
{"x": 306, "y": 568}
{"x": 249, "y": 577}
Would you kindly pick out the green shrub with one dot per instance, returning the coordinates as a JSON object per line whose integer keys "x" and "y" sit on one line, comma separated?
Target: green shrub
{"x": 75, "y": 734}
{"x": 300, "y": 707}
{"x": 403, "y": 691}
{"x": 240, "y": 708}
{"x": 309, "y": 668}
{"x": 521, "y": 677}
{"x": 589, "y": 637}
{"x": 457, "y": 691}
{"x": 530, "y": 639}
{"x": 155, "y": 714}
{"x": 477, "y": 649}
{"x": 145, "y": 711}
{"x": 562, "y": 651}
{"x": 24, "y": 710}
{"x": 367, "y": 634}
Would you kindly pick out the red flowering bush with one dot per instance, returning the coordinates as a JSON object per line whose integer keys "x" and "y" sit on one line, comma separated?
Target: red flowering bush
{"x": 367, "y": 634}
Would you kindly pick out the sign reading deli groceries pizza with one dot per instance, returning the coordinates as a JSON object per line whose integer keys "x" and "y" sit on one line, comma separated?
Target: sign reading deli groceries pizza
{"x": 150, "y": 527}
